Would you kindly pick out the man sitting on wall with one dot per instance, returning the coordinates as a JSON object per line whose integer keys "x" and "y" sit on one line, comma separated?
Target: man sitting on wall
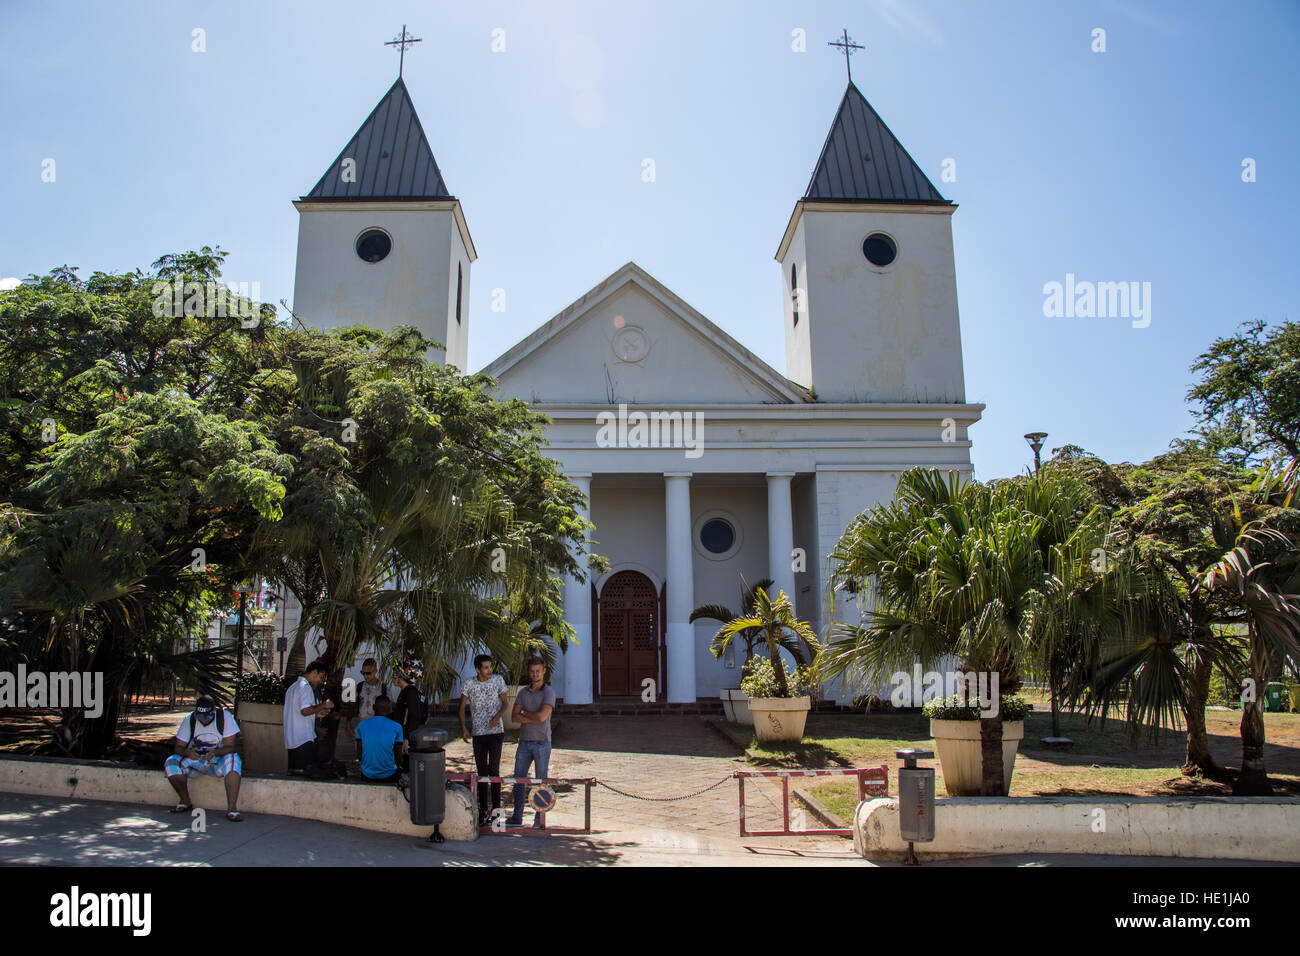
{"x": 205, "y": 744}
{"x": 378, "y": 740}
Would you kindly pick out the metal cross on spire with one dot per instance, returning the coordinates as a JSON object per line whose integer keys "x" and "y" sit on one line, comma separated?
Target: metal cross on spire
{"x": 847, "y": 46}
{"x": 402, "y": 43}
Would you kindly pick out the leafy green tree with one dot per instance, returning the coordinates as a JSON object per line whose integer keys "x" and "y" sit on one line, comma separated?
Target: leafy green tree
{"x": 151, "y": 457}
{"x": 1249, "y": 394}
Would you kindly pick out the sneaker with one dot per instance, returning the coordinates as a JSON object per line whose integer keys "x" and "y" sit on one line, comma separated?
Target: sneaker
{"x": 512, "y": 822}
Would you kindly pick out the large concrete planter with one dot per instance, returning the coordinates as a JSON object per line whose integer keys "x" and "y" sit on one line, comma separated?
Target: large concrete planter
{"x": 779, "y": 720}
{"x": 735, "y": 706}
{"x": 958, "y": 745}
{"x": 512, "y": 691}
{"x": 262, "y": 726}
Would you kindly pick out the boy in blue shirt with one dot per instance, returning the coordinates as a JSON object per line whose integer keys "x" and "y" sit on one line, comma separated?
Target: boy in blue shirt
{"x": 377, "y": 740}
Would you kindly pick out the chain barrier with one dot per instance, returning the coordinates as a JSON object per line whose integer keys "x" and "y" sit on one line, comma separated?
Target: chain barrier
{"x": 685, "y": 796}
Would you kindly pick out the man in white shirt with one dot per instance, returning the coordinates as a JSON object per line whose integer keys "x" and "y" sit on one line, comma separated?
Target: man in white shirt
{"x": 205, "y": 744}
{"x": 300, "y": 713}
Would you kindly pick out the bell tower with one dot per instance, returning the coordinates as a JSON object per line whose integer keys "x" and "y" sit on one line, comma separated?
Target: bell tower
{"x": 867, "y": 272}
{"x": 381, "y": 241}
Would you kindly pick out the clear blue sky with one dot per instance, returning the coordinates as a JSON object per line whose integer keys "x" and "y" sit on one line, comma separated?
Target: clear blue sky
{"x": 1123, "y": 165}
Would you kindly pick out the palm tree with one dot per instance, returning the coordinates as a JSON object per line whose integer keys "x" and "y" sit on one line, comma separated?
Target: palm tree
{"x": 722, "y": 614}
{"x": 775, "y": 622}
{"x": 1268, "y": 593}
{"x": 419, "y": 576}
{"x": 1000, "y": 576}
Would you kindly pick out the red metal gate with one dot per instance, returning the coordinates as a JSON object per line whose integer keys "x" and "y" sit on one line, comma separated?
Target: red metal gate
{"x": 872, "y": 781}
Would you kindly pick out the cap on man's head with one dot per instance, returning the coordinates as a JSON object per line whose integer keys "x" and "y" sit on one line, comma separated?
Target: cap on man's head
{"x": 205, "y": 703}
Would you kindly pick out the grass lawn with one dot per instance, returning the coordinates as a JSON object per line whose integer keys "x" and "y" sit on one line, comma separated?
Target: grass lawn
{"x": 1102, "y": 762}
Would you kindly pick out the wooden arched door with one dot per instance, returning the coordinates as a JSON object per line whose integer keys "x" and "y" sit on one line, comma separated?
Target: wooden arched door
{"x": 629, "y": 634}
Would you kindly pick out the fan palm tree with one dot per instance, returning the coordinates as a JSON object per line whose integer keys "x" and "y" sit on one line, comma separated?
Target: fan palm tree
{"x": 1000, "y": 576}
{"x": 780, "y": 630}
{"x": 723, "y": 614}
{"x": 1268, "y": 593}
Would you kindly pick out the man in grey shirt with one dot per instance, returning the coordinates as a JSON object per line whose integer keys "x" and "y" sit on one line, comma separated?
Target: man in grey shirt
{"x": 532, "y": 712}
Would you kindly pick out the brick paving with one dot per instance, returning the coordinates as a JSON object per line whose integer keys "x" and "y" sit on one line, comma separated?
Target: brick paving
{"x": 656, "y": 756}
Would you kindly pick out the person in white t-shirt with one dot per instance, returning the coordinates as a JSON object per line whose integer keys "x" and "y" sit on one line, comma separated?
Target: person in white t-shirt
{"x": 368, "y": 691}
{"x": 300, "y": 713}
{"x": 485, "y": 693}
{"x": 205, "y": 744}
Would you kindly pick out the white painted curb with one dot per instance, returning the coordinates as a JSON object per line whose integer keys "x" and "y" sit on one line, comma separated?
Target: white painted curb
{"x": 1225, "y": 828}
{"x": 368, "y": 806}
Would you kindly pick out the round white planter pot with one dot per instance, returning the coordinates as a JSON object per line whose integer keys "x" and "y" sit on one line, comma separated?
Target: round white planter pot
{"x": 958, "y": 745}
{"x": 262, "y": 726}
{"x": 779, "y": 720}
{"x": 735, "y": 706}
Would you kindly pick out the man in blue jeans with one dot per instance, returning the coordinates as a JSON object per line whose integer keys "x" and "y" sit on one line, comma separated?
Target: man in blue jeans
{"x": 532, "y": 712}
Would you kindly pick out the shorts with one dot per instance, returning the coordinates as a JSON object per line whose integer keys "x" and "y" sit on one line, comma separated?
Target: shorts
{"x": 216, "y": 767}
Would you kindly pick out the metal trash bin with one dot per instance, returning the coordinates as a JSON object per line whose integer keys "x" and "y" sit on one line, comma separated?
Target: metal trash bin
{"x": 915, "y": 800}
{"x": 427, "y": 765}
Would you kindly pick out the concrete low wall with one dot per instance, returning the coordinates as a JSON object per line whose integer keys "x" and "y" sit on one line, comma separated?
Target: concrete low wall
{"x": 368, "y": 806}
{"x": 1227, "y": 828}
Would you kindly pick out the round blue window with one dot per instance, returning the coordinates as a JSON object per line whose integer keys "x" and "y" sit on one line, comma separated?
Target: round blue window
{"x": 717, "y": 536}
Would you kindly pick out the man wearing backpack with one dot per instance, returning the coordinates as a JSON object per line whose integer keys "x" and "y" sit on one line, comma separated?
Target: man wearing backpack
{"x": 205, "y": 744}
{"x": 409, "y": 711}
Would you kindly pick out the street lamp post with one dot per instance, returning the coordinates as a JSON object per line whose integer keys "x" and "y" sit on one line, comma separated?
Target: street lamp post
{"x": 245, "y": 589}
{"x": 1035, "y": 440}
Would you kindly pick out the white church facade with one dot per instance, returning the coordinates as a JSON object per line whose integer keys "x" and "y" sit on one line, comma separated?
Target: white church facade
{"x": 702, "y": 464}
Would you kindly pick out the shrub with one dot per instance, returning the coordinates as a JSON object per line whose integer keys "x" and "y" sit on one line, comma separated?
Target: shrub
{"x": 262, "y": 687}
{"x": 761, "y": 681}
{"x": 957, "y": 707}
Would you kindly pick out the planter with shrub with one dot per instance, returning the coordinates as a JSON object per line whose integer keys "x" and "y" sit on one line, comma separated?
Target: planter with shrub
{"x": 955, "y": 726}
{"x": 259, "y": 710}
{"x": 778, "y": 719}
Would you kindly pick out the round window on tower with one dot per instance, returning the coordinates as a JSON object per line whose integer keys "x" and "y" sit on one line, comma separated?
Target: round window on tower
{"x": 879, "y": 249}
{"x": 374, "y": 245}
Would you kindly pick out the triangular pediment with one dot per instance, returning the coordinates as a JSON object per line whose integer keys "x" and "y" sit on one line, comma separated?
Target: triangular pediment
{"x": 631, "y": 339}
{"x": 390, "y": 157}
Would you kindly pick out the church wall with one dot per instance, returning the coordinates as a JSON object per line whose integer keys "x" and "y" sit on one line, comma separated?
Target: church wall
{"x": 798, "y": 349}
{"x": 807, "y": 586}
{"x": 719, "y": 581}
{"x": 456, "y": 339}
{"x": 334, "y": 287}
{"x": 841, "y": 497}
{"x": 883, "y": 334}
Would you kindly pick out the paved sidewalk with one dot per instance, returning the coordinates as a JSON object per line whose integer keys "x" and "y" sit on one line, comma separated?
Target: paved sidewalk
{"x": 657, "y": 756}
{"x": 52, "y": 831}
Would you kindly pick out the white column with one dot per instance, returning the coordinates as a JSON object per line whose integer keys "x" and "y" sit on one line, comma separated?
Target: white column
{"x": 780, "y": 533}
{"x": 577, "y": 611}
{"x": 681, "y": 588}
